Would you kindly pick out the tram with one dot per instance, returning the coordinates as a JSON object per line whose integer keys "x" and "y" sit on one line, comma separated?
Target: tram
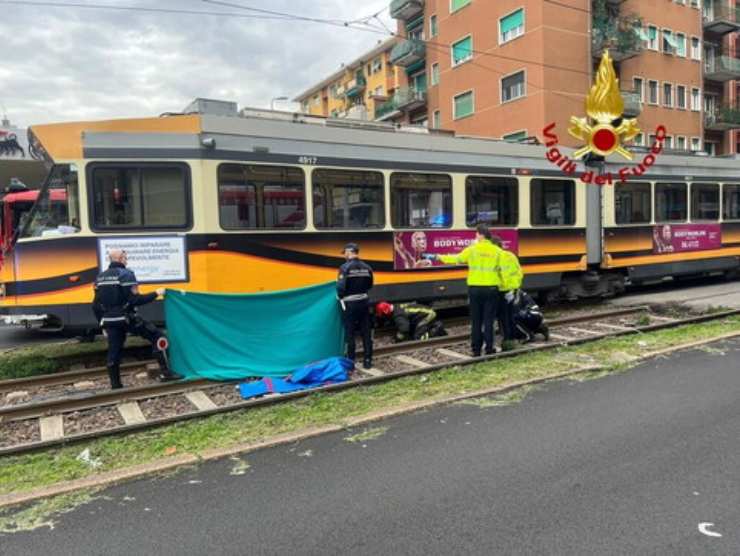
{"x": 216, "y": 200}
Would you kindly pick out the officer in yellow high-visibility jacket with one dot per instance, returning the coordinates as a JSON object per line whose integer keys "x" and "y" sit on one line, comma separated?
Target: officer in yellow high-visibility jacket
{"x": 511, "y": 280}
{"x": 484, "y": 280}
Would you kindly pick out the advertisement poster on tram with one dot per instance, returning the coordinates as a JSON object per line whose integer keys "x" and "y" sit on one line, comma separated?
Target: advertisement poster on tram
{"x": 409, "y": 248}
{"x": 154, "y": 259}
{"x": 679, "y": 238}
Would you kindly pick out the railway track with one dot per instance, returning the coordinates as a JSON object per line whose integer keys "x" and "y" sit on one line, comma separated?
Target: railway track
{"x": 60, "y": 414}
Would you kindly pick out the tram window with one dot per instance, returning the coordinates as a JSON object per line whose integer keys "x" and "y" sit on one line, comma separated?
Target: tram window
{"x": 491, "y": 200}
{"x": 632, "y": 203}
{"x": 140, "y": 196}
{"x": 421, "y": 200}
{"x": 553, "y": 202}
{"x": 348, "y": 199}
{"x": 731, "y": 201}
{"x": 261, "y": 197}
{"x": 56, "y": 211}
{"x": 670, "y": 202}
{"x": 705, "y": 201}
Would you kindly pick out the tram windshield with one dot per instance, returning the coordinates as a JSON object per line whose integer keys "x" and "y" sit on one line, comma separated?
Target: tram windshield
{"x": 56, "y": 211}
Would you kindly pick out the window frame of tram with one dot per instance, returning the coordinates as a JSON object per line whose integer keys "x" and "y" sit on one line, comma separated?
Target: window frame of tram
{"x": 45, "y": 208}
{"x": 727, "y": 204}
{"x": 257, "y": 209}
{"x": 368, "y": 188}
{"x": 698, "y": 188}
{"x": 501, "y": 194}
{"x": 400, "y": 207}
{"x": 675, "y": 186}
{"x": 637, "y": 193}
{"x": 567, "y": 202}
{"x": 143, "y": 193}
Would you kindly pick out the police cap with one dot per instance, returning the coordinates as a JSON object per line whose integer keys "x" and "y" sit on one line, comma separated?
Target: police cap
{"x": 351, "y": 247}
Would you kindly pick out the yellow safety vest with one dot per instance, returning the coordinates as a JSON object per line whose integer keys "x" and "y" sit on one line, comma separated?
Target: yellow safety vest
{"x": 483, "y": 259}
{"x": 511, "y": 272}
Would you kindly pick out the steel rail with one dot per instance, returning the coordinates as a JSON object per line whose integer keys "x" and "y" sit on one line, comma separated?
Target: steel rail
{"x": 273, "y": 400}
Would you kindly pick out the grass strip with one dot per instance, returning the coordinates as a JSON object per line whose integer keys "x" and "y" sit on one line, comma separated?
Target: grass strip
{"x": 28, "y": 472}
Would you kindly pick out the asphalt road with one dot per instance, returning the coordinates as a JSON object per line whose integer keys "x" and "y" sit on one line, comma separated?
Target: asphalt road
{"x": 632, "y": 463}
{"x": 14, "y": 336}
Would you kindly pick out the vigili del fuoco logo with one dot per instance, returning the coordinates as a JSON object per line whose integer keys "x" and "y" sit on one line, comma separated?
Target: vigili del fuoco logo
{"x": 604, "y": 131}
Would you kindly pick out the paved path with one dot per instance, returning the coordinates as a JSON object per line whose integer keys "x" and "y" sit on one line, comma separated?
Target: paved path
{"x": 700, "y": 294}
{"x": 628, "y": 464}
{"x": 14, "y": 336}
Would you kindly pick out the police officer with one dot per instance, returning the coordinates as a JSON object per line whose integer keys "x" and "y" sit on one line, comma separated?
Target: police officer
{"x": 511, "y": 280}
{"x": 116, "y": 298}
{"x": 353, "y": 284}
{"x": 484, "y": 279}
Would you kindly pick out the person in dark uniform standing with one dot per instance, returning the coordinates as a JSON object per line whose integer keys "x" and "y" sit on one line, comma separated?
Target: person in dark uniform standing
{"x": 116, "y": 298}
{"x": 353, "y": 284}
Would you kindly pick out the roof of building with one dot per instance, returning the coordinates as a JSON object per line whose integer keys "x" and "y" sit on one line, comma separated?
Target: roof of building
{"x": 380, "y": 48}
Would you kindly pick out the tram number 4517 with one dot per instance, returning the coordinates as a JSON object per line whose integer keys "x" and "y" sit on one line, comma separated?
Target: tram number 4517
{"x": 308, "y": 160}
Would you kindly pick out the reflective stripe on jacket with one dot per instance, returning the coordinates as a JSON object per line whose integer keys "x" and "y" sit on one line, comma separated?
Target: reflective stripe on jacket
{"x": 511, "y": 272}
{"x": 483, "y": 260}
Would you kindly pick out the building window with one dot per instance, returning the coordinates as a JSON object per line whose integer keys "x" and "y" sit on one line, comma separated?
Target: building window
{"x": 669, "y": 43}
{"x": 261, "y": 197}
{"x": 696, "y": 99}
{"x": 462, "y": 51}
{"x": 464, "y": 105}
{"x": 457, "y": 4}
{"x": 491, "y": 200}
{"x": 681, "y": 143}
{"x": 377, "y": 65}
{"x": 513, "y": 87}
{"x": 553, "y": 202}
{"x": 652, "y": 92}
{"x": 637, "y": 87}
{"x": 681, "y": 97}
{"x": 141, "y": 196}
{"x": 705, "y": 201}
{"x": 681, "y": 44}
{"x": 433, "y": 29}
{"x": 731, "y": 202}
{"x": 669, "y": 141}
{"x": 515, "y": 137}
{"x": 632, "y": 203}
{"x": 348, "y": 199}
{"x": 667, "y": 95}
{"x": 639, "y": 140}
{"x": 651, "y": 139}
{"x": 511, "y": 26}
{"x": 695, "y": 144}
{"x": 695, "y": 48}
{"x": 436, "y": 119}
{"x": 652, "y": 37}
{"x": 710, "y": 147}
{"x": 670, "y": 202}
{"x": 435, "y": 74}
{"x": 421, "y": 200}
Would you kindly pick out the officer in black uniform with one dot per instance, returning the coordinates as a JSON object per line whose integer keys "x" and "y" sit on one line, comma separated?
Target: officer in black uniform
{"x": 353, "y": 284}
{"x": 116, "y": 298}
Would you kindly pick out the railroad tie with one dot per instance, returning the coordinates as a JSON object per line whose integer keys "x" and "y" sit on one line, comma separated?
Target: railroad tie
{"x": 581, "y": 330}
{"x": 200, "y": 400}
{"x": 52, "y": 427}
{"x": 662, "y": 319}
{"x": 614, "y": 326}
{"x": 560, "y": 337}
{"x": 453, "y": 354}
{"x": 373, "y": 371}
{"x": 411, "y": 361}
{"x": 131, "y": 413}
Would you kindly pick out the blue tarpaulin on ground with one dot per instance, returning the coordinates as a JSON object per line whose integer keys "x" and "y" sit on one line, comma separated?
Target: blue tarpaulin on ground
{"x": 321, "y": 373}
{"x": 231, "y": 337}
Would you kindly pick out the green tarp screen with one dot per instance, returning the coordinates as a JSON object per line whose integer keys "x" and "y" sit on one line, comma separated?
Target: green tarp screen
{"x": 230, "y": 337}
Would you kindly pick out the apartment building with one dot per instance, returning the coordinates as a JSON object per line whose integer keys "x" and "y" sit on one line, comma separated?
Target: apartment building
{"x": 357, "y": 88}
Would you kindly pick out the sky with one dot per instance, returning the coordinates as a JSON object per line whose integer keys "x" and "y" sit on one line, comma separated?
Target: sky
{"x": 66, "y": 64}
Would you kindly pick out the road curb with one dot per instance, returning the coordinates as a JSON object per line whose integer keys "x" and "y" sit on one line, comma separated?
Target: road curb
{"x": 111, "y": 478}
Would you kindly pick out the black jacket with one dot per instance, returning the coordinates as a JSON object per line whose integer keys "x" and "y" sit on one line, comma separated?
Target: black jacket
{"x": 355, "y": 279}
{"x": 115, "y": 299}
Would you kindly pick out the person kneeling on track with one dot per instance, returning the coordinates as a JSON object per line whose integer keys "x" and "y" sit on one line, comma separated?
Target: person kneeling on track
{"x": 413, "y": 321}
{"x": 116, "y": 298}
{"x": 528, "y": 318}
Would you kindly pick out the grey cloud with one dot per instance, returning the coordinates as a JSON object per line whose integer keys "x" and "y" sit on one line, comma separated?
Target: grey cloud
{"x": 68, "y": 64}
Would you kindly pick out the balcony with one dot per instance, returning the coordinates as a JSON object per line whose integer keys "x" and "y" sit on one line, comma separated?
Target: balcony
{"x": 408, "y": 52}
{"x": 403, "y": 100}
{"x": 720, "y": 19}
{"x": 406, "y": 9}
{"x": 722, "y": 119}
{"x": 632, "y": 104}
{"x": 721, "y": 68}
{"x": 355, "y": 87}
